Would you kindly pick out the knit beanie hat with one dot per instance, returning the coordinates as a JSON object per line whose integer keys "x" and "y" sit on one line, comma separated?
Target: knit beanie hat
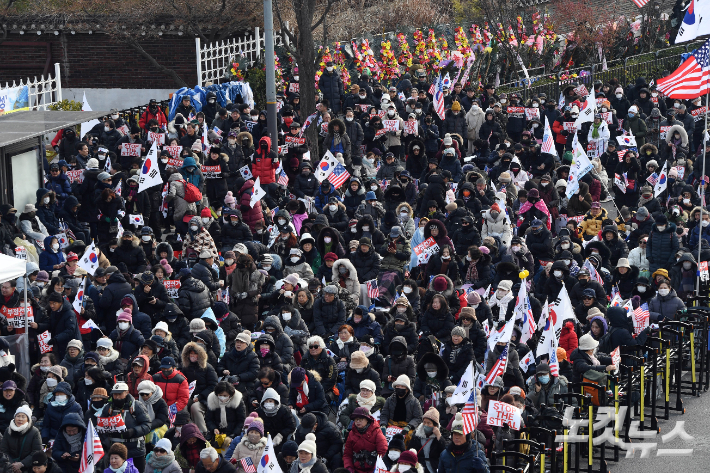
{"x": 118, "y": 449}
{"x": 458, "y": 330}
{"x": 100, "y": 392}
{"x": 408, "y": 458}
{"x": 439, "y": 284}
{"x": 368, "y": 384}
{"x": 257, "y": 424}
{"x": 457, "y": 424}
{"x": 245, "y": 336}
{"x": 432, "y": 414}
{"x": 473, "y": 298}
{"x": 124, "y": 316}
{"x": 397, "y": 443}
{"x": 308, "y": 445}
{"x": 25, "y": 409}
{"x": 197, "y": 325}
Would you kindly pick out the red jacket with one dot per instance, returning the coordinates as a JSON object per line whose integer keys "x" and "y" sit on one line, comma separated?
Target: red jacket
{"x": 558, "y": 128}
{"x": 148, "y": 116}
{"x": 265, "y": 163}
{"x": 568, "y": 337}
{"x": 134, "y": 381}
{"x": 250, "y": 216}
{"x": 373, "y": 440}
{"x": 175, "y": 388}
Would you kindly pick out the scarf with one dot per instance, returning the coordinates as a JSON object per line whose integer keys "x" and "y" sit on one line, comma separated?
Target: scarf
{"x": 369, "y": 402}
{"x": 22, "y": 429}
{"x": 223, "y": 412}
{"x": 595, "y": 362}
{"x": 158, "y": 463}
{"x": 121, "y": 469}
{"x": 230, "y": 269}
{"x": 297, "y": 466}
{"x": 595, "y": 130}
{"x": 240, "y": 280}
{"x": 472, "y": 274}
{"x": 540, "y": 205}
{"x": 76, "y": 441}
{"x": 148, "y": 403}
{"x": 341, "y": 343}
{"x": 302, "y": 396}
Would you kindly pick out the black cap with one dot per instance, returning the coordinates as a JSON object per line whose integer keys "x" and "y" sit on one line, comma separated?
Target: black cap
{"x": 39, "y": 458}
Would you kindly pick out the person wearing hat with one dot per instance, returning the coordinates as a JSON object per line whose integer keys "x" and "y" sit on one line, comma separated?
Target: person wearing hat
{"x": 426, "y": 445}
{"x": 365, "y": 442}
{"x": 62, "y": 323}
{"x": 21, "y": 440}
{"x": 245, "y": 284}
{"x": 586, "y": 357}
{"x": 251, "y": 446}
{"x": 241, "y": 362}
{"x": 395, "y": 252}
{"x": 138, "y": 423}
{"x": 643, "y": 289}
{"x": 401, "y": 409}
{"x": 365, "y": 397}
{"x": 463, "y": 450}
{"x": 329, "y": 310}
{"x": 354, "y": 195}
{"x": 543, "y": 387}
{"x": 151, "y": 296}
{"x": 69, "y": 443}
{"x": 306, "y": 394}
{"x": 163, "y": 458}
{"x": 329, "y": 442}
{"x": 592, "y": 222}
{"x": 432, "y": 377}
{"x": 625, "y": 276}
{"x": 172, "y": 382}
{"x": 317, "y": 360}
{"x": 662, "y": 245}
{"x": 41, "y": 463}
{"x": 359, "y": 369}
{"x": 296, "y": 264}
{"x": 458, "y": 353}
{"x": 288, "y": 455}
{"x": 271, "y": 406}
{"x": 60, "y": 403}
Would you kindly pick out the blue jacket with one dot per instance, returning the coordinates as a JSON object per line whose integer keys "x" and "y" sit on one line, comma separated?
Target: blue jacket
{"x": 473, "y": 460}
{"x": 219, "y": 333}
{"x": 322, "y": 198}
{"x": 196, "y": 177}
{"x": 48, "y": 258}
{"x": 453, "y": 165}
{"x": 47, "y": 214}
{"x": 64, "y": 328}
{"x": 695, "y": 236}
{"x": 60, "y": 185}
{"x": 54, "y": 415}
{"x": 62, "y": 446}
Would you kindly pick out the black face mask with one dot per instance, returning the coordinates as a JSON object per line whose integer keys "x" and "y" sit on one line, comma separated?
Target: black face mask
{"x": 118, "y": 403}
{"x": 98, "y": 404}
{"x": 263, "y": 145}
{"x": 401, "y": 392}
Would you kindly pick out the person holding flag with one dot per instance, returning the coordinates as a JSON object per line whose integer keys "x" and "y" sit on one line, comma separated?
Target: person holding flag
{"x": 543, "y": 386}
{"x": 584, "y": 357}
{"x": 512, "y": 375}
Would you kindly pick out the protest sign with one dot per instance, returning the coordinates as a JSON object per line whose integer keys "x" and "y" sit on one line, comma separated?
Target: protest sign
{"x": 532, "y": 113}
{"x": 294, "y": 87}
{"x": 158, "y": 138}
{"x": 662, "y": 132}
{"x": 425, "y": 249}
{"x": 76, "y": 175}
{"x": 607, "y": 116}
{"x": 21, "y": 253}
{"x": 391, "y": 125}
{"x": 294, "y": 141}
{"x": 500, "y": 413}
{"x": 569, "y": 126}
{"x": 516, "y": 112}
{"x": 16, "y": 316}
{"x": 172, "y": 286}
{"x": 43, "y": 339}
{"x": 411, "y": 128}
{"x": 131, "y": 149}
{"x": 212, "y": 172}
{"x": 110, "y": 424}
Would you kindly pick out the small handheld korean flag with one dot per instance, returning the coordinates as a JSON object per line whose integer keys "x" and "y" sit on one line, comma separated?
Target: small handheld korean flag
{"x": 136, "y": 219}
{"x": 326, "y": 166}
{"x": 268, "y": 462}
{"x": 662, "y": 181}
{"x": 258, "y": 193}
{"x": 79, "y": 299}
{"x": 245, "y": 172}
{"x": 150, "y": 174}
{"x": 90, "y": 324}
{"x": 90, "y": 261}
{"x": 466, "y": 384}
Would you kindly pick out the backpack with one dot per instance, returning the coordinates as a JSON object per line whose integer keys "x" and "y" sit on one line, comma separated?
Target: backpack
{"x": 192, "y": 193}
{"x": 605, "y": 341}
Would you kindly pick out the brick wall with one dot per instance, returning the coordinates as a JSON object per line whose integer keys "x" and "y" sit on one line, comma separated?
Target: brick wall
{"x": 97, "y": 61}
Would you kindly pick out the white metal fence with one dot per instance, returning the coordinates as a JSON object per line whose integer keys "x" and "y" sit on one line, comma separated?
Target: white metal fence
{"x": 215, "y": 58}
{"x": 42, "y": 92}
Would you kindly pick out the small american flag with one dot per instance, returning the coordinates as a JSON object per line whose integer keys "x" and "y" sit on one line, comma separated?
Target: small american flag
{"x": 470, "y": 413}
{"x": 621, "y": 154}
{"x": 67, "y": 230}
{"x": 172, "y": 412}
{"x": 554, "y": 362}
{"x": 373, "y": 291}
{"x": 640, "y": 3}
{"x": 283, "y": 178}
{"x": 438, "y": 100}
{"x": 499, "y": 367}
{"x": 641, "y": 311}
{"x": 652, "y": 179}
{"x": 92, "y": 451}
{"x": 339, "y": 176}
{"x": 248, "y": 465}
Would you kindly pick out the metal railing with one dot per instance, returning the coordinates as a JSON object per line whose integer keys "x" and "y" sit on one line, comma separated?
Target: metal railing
{"x": 41, "y": 93}
{"x": 213, "y": 59}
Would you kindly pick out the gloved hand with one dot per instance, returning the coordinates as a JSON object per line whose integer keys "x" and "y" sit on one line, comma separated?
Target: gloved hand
{"x": 242, "y": 295}
{"x": 406, "y": 430}
{"x": 128, "y": 434}
{"x": 278, "y": 439}
{"x": 564, "y": 132}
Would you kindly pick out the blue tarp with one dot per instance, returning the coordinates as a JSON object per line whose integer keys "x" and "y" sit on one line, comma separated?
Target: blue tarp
{"x": 226, "y": 93}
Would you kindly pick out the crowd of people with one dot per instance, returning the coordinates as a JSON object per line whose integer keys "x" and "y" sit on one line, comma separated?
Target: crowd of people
{"x": 313, "y": 315}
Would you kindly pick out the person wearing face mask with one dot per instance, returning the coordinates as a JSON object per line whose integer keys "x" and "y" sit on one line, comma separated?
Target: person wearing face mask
{"x": 296, "y": 264}
{"x": 233, "y": 229}
{"x": 474, "y": 120}
{"x": 635, "y": 125}
{"x": 126, "y": 338}
{"x": 60, "y": 403}
{"x": 559, "y": 276}
{"x": 265, "y": 350}
{"x": 401, "y": 409}
{"x": 683, "y": 276}
{"x": 543, "y": 386}
{"x": 153, "y": 112}
{"x": 398, "y": 362}
{"x": 51, "y": 258}
{"x": 365, "y": 442}
{"x": 402, "y": 323}
{"x": 62, "y": 324}
{"x": 662, "y": 245}
{"x": 620, "y": 103}
{"x": 331, "y": 86}
{"x": 359, "y": 370}
{"x": 196, "y": 368}
{"x": 110, "y": 136}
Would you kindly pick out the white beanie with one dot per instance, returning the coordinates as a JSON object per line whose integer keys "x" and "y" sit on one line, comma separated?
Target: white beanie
{"x": 104, "y": 342}
{"x": 402, "y": 380}
{"x": 367, "y": 384}
{"x": 309, "y": 445}
{"x": 161, "y": 326}
{"x": 165, "y": 445}
{"x": 25, "y": 409}
{"x": 92, "y": 163}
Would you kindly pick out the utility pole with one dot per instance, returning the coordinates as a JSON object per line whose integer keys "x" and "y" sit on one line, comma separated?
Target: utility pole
{"x": 271, "y": 113}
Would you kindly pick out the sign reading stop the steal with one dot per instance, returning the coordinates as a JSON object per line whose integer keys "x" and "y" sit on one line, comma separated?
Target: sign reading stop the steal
{"x": 500, "y": 413}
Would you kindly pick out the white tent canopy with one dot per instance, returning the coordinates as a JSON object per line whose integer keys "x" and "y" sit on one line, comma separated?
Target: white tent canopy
{"x": 11, "y": 268}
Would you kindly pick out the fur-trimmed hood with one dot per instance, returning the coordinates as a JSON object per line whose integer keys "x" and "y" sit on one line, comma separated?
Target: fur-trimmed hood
{"x": 233, "y": 403}
{"x": 336, "y": 121}
{"x": 650, "y": 146}
{"x": 348, "y": 265}
{"x": 448, "y": 292}
{"x": 442, "y": 371}
{"x": 405, "y": 205}
{"x": 241, "y": 136}
{"x": 683, "y": 135}
{"x": 201, "y": 355}
{"x": 443, "y": 233}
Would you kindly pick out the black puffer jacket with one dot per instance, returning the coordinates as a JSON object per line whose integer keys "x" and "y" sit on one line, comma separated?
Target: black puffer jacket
{"x": 280, "y": 422}
{"x": 409, "y": 332}
{"x": 206, "y": 274}
{"x": 425, "y": 386}
{"x": 199, "y": 371}
{"x": 328, "y": 316}
{"x": 457, "y": 358}
{"x": 367, "y": 264}
{"x": 235, "y": 413}
{"x": 438, "y": 323}
{"x": 329, "y": 442}
{"x": 143, "y": 298}
{"x": 244, "y": 364}
{"x": 110, "y": 300}
{"x": 233, "y": 234}
{"x": 193, "y": 298}
{"x": 283, "y": 345}
{"x": 130, "y": 253}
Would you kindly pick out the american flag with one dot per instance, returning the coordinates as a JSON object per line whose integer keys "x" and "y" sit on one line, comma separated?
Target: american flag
{"x": 640, "y": 3}
{"x": 92, "y": 451}
{"x": 339, "y": 176}
{"x": 621, "y": 154}
{"x": 470, "y": 413}
{"x": 499, "y": 367}
{"x": 548, "y": 143}
{"x": 283, "y": 178}
{"x": 652, "y": 179}
{"x": 554, "y": 362}
{"x": 248, "y": 465}
{"x": 172, "y": 412}
{"x": 438, "y": 101}
{"x": 67, "y": 230}
{"x": 373, "y": 291}
{"x": 691, "y": 79}
{"x": 641, "y": 311}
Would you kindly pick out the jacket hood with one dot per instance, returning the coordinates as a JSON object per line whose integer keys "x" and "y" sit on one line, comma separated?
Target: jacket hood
{"x": 167, "y": 247}
{"x": 602, "y": 320}
{"x": 73, "y": 419}
{"x": 336, "y": 121}
{"x": 241, "y": 136}
{"x": 233, "y": 403}
{"x": 405, "y": 205}
{"x": 135, "y": 308}
{"x": 399, "y": 340}
{"x": 617, "y": 317}
{"x": 271, "y": 393}
{"x": 348, "y": 265}
{"x": 267, "y": 140}
{"x": 188, "y": 431}
{"x": 273, "y": 321}
{"x": 201, "y": 354}
{"x": 650, "y": 146}
{"x": 418, "y": 142}
{"x": 188, "y": 162}
{"x": 209, "y": 315}
{"x": 265, "y": 338}
{"x": 442, "y": 229}
{"x": 442, "y": 371}
{"x": 683, "y": 135}
{"x": 48, "y": 243}
{"x": 70, "y": 202}
{"x": 146, "y": 364}
{"x": 449, "y": 286}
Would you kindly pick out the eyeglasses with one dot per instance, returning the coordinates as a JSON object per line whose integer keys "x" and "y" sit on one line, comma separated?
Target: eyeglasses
{"x": 159, "y": 450}
{"x": 145, "y": 394}
{"x": 314, "y": 347}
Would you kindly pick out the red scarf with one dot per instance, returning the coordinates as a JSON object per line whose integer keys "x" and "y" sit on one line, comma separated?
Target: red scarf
{"x": 540, "y": 205}
{"x": 302, "y": 396}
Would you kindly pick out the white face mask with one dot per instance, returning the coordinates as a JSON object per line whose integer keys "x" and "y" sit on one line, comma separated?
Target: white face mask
{"x": 295, "y": 78}
{"x": 403, "y": 468}
{"x": 687, "y": 265}
{"x": 394, "y": 455}
{"x": 407, "y": 289}
{"x": 705, "y": 223}
{"x": 269, "y": 405}
{"x": 401, "y": 310}
{"x": 55, "y": 246}
{"x": 266, "y": 268}
{"x": 661, "y": 227}
{"x": 366, "y": 229}
{"x": 535, "y": 105}
{"x": 107, "y": 129}
{"x": 558, "y": 274}
{"x": 295, "y": 259}
{"x": 333, "y": 207}
{"x": 535, "y": 125}
{"x": 373, "y": 187}
{"x": 286, "y": 316}
{"x": 349, "y": 119}
{"x": 330, "y": 69}
{"x": 194, "y": 228}
{"x": 446, "y": 257}
{"x": 475, "y": 306}
{"x": 44, "y": 369}
{"x": 431, "y": 374}
{"x": 223, "y": 399}
{"x": 664, "y": 292}
{"x": 205, "y": 220}
{"x": 51, "y": 382}
{"x": 282, "y": 221}
{"x": 229, "y": 262}
{"x": 390, "y": 113}
{"x": 88, "y": 381}
{"x": 404, "y": 214}
{"x": 352, "y": 230}
{"x": 565, "y": 246}
{"x": 327, "y": 239}
{"x": 46, "y": 200}
{"x": 566, "y": 261}
{"x": 618, "y": 96}
{"x": 60, "y": 398}
{"x": 123, "y": 325}
{"x": 145, "y": 238}
{"x": 515, "y": 248}
{"x": 641, "y": 289}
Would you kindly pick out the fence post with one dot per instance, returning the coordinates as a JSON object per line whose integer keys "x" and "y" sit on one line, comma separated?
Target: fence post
{"x": 58, "y": 80}
{"x": 285, "y": 36}
{"x": 594, "y": 75}
{"x": 198, "y": 54}
{"x": 257, "y": 40}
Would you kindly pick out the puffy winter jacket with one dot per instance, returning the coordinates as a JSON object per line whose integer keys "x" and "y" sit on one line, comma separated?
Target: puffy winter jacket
{"x": 193, "y": 298}
{"x": 244, "y": 364}
{"x": 53, "y": 415}
{"x": 175, "y": 388}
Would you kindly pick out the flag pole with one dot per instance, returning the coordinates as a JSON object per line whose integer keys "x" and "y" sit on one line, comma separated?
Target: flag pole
{"x": 702, "y": 195}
